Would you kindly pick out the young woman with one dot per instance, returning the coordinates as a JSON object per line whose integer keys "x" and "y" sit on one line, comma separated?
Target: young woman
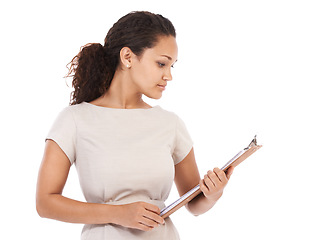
{"x": 127, "y": 153}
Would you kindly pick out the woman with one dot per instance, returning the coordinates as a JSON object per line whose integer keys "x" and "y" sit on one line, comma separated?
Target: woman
{"x": 127, "y": 153}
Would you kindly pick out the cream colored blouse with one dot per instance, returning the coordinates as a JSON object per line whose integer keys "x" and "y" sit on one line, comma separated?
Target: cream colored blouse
{"x": 123, "y": 156}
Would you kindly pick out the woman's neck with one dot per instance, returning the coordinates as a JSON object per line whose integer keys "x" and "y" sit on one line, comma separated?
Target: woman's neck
{"x": 121, "y": 94}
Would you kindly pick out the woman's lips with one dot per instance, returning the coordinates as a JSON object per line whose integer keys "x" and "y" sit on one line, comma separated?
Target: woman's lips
{"x": 163, "y": 87}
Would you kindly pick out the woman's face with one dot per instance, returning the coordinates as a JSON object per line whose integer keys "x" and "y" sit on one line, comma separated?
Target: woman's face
{"x": 152, "y": 70}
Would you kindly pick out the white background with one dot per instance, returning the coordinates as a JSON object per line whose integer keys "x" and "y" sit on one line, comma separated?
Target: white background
{"x": 244, "y": 68}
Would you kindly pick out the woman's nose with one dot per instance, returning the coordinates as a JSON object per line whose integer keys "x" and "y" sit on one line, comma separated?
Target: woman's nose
{"x": 168, "y": 75}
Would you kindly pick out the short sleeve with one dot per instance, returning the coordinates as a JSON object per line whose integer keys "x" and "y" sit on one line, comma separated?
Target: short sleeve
{"x": 182, "y": 142}
{"x": 63, "y": 132}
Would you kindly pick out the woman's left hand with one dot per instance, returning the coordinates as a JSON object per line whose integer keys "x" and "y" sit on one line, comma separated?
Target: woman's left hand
{"x": 214, "y": 183}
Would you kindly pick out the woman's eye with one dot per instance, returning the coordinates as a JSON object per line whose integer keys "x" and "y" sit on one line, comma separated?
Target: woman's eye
{"x": 161, "y": 64}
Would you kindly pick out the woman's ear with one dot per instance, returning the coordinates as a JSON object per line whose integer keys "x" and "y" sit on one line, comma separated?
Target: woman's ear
{"x": 126, "y": 56}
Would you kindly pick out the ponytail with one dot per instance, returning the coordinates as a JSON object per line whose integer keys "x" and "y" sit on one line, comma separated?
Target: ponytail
{"x": 91, "y": 73}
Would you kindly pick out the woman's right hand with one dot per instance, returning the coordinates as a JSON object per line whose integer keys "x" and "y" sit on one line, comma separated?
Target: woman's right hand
{"x": 139, "y": 215}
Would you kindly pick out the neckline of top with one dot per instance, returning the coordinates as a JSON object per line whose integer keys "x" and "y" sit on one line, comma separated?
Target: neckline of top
{"x": 121, "y": 109}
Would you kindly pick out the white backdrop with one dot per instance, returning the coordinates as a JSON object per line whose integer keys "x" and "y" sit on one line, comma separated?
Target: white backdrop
{"x": 244, "y": 68}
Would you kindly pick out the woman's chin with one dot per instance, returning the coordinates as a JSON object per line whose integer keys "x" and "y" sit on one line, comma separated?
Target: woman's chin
{"x": 155, "y": 96}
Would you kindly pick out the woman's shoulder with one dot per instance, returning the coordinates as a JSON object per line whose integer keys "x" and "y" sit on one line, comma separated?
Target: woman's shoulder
{"x": 73, "y": 110}
{"x": 171, "y": 115}
{"x": 166, "y": 112}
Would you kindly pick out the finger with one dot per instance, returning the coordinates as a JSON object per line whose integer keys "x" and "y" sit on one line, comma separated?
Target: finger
{"x": 229, "y": 172}
{"x": 220, "y": 174}
{"x": 214, "y": 177}
{"x": 143, "y": 227}
{"x": 208, "y": 183}
{"x": 154, "y": 217}
{"x": 203, "y": 187}
{"x": 148, "y": 222}
{"x": 152, "y": 208}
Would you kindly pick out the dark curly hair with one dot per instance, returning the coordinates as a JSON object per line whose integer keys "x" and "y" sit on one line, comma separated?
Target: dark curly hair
{"x": 94, "y": 66}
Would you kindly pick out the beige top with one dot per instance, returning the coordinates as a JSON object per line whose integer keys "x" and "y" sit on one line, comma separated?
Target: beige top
{"x": 123, "y": 156}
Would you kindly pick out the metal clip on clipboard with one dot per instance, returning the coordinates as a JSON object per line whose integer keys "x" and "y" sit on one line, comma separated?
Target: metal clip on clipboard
{"x": 187, "y": 197}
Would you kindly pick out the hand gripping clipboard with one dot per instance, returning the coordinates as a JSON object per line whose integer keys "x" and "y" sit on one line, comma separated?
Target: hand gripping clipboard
{"x": 187, "y": 197}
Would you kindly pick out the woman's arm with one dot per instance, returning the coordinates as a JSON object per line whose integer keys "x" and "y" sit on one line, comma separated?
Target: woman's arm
{"x": 50, "y": 203}
{"x": 212, "y": 186}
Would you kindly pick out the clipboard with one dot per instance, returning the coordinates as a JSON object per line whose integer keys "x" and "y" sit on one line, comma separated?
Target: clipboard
{"x": 187, "y": 197}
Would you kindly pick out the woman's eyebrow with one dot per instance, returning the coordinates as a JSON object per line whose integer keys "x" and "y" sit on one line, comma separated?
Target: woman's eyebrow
{"x": 169, "y": 58}
{"x": 163, "y": 55}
